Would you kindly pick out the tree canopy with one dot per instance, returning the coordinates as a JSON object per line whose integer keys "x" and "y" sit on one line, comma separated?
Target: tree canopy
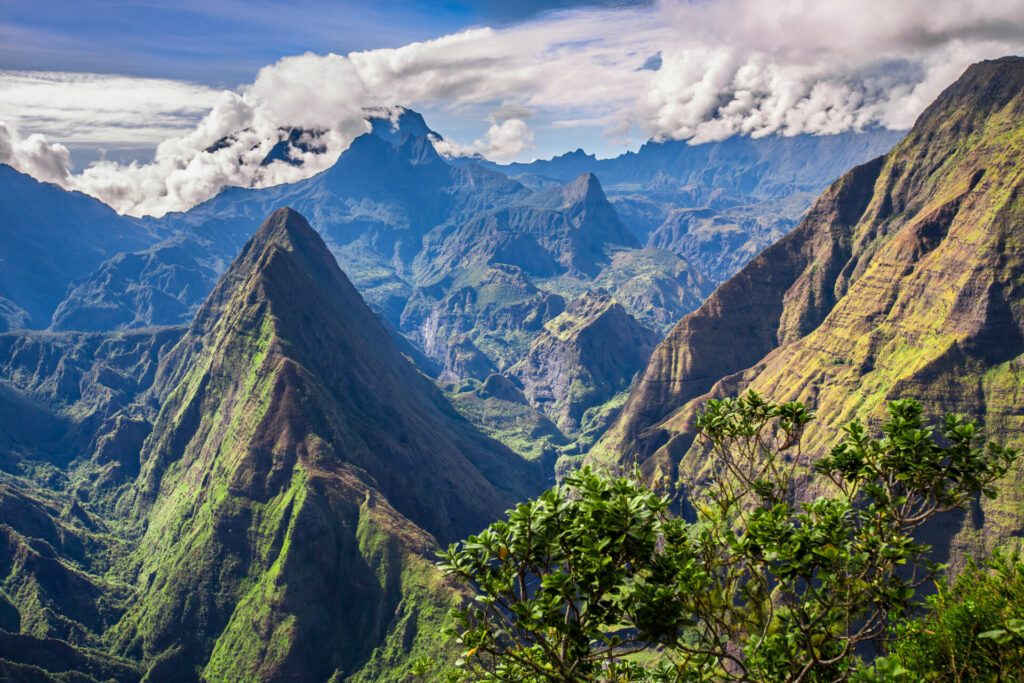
{"x": 596, "y": 580}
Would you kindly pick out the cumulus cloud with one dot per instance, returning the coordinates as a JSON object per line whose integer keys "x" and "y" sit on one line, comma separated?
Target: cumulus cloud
{"x": 756, "y": 67}
{"x": 503, "y": 141}
{"x": 719, "y": 68}
{"x": 34, "y": 155}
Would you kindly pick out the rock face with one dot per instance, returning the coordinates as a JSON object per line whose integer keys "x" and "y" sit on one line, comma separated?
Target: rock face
{"x": 48, "y": 238}
{"x": 298, "y": 477}
{"x": 583, "y": 358}
{"x": 905, "y": 279}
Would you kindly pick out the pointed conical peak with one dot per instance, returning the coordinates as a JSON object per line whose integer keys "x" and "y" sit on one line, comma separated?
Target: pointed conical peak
{"x": 284, "y": 231}
{"x": 585, "y": 189}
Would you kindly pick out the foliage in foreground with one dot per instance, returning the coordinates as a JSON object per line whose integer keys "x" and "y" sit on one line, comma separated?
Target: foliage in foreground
{"x": 595, "y": 580}
{"x": 973, "y": 629}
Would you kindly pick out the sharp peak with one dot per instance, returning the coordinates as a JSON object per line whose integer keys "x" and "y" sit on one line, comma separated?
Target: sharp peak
{"x": 286, "y": 227}
{"x": 586, "y": 187}
{"x": 283, "y": 251}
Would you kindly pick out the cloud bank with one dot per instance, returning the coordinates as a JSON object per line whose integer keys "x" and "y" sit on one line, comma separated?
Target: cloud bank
{"x": 687, "y": 70}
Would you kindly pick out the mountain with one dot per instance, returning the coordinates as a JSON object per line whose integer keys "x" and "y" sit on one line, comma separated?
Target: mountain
{"x": 905, "y": 279}
{"x": 372, "y": 207}
{"x": 314, "y": 439}
{"x": 568, "y": 229}
{"x": 716, "y": 204}
{"x": 468, "y": 264}
{"x": 258, "y": 495}
{"x": 48, "y": 238}
{"x": 496, "y": 279}
{"x": 654, "y": 285}
{"x": 583, "y": 358}
{"x": 67, "y": 389}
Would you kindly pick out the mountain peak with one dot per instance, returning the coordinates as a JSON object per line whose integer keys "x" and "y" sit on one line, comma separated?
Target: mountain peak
{"x": 584, "y": 189}
{"x": 260, "y": 271}
{"x": 287, "y": 227}
{"x": 983, "y": 89}
{"x": 299, "y": 452}
{"x": 393, "y": 123}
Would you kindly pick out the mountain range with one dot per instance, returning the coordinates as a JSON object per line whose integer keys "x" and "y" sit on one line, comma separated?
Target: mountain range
{"x": 232, "y": 439}
{"x": 464, "y": 260}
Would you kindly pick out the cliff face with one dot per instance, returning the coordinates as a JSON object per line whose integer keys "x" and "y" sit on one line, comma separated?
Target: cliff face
{"x": 299, "y": 476}
{"x": 582, "y": 358}
{"x": 905, "y": 279}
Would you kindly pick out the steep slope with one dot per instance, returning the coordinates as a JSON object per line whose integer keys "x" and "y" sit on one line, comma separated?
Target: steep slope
{"x": 297, "y": 479}
{"x": 583, "y": 358}
{"x": 904, "y": 280}
{"x": 48, "y": 238}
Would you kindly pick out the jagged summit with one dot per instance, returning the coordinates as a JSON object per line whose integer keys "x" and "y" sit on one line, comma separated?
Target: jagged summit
{"x": 393, "y": 123}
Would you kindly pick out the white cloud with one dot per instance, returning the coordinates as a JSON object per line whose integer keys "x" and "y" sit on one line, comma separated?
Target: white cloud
{"x": 502, "y": 142}
{"x": 101, "y": 109}
{"x": 757, "y": 67}
{"x": 727, "y": 67}
{"x": 34, "y": 155}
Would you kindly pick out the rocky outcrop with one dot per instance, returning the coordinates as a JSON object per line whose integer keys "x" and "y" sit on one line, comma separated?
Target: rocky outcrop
{"x": 583, "y": 358}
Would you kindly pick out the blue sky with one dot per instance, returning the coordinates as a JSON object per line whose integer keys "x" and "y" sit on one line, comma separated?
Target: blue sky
{"x": 122, "y": 100}
{"x": 224, "y": 42}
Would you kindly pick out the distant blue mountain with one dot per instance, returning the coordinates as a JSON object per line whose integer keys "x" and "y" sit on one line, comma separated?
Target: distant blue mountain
{"x": 49, "y": 237}
{"x": 463, "y": 254}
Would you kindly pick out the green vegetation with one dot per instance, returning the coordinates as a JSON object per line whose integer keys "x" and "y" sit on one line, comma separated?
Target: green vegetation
{"x": 595, "y": 580}
{"x": 973, "y": 630}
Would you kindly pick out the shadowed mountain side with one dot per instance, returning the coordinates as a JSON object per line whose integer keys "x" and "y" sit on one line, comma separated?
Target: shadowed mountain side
{"x": 49, "y": 237}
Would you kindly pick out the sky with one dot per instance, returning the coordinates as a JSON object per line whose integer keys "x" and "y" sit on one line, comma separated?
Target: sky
{"x": 122, "y": 100}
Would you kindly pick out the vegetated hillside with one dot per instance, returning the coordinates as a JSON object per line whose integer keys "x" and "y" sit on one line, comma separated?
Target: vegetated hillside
{"x": 284, "y": 509}
{"x": 905, "y": 279}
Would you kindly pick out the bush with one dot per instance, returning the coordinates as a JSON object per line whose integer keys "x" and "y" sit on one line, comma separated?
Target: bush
{"x": 973, "y": 630}
{"x": 595, "y": 580}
